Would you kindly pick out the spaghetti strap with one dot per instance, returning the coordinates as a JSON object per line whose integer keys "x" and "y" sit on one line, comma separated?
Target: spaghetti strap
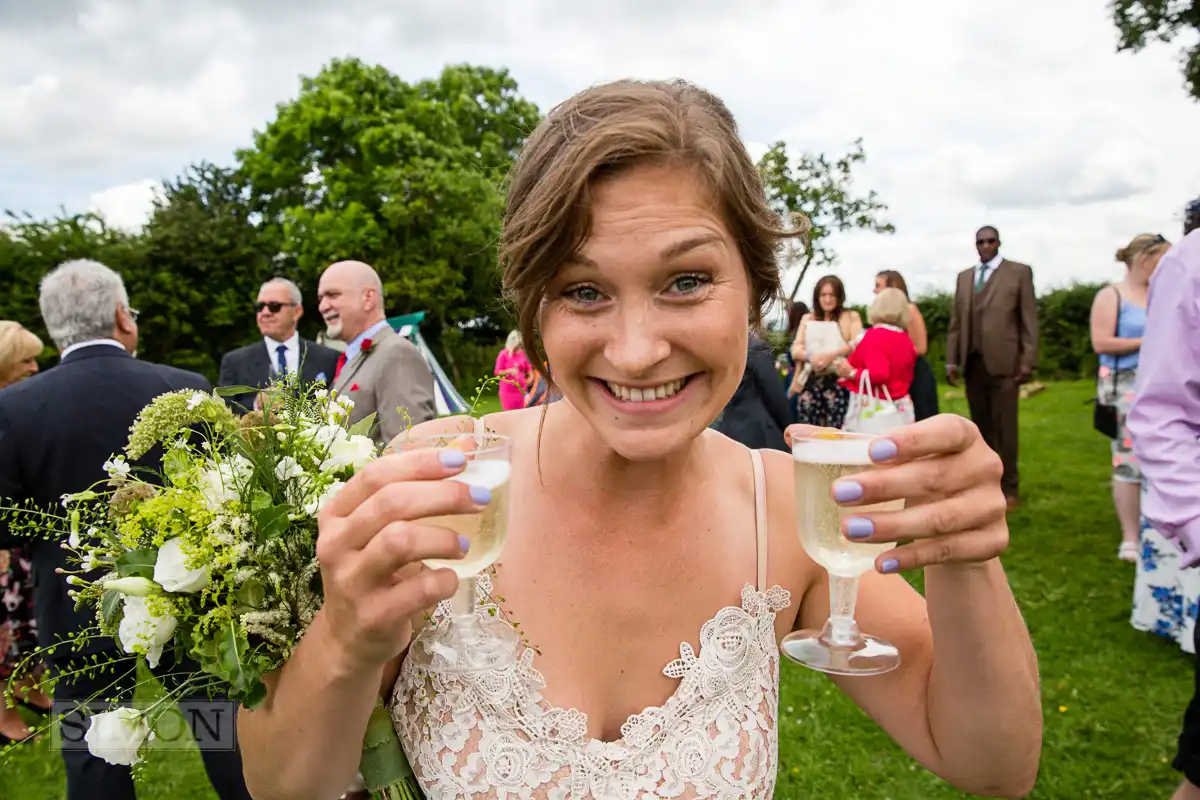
{"x": 760, "y": 517}
{"x": 480, "y": 430}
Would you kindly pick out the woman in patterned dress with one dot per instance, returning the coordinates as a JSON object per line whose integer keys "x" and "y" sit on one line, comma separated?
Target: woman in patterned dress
{"x": 652, "y": 562}
{"x": 822, "y": 401}
{"x": 19, "y": 350}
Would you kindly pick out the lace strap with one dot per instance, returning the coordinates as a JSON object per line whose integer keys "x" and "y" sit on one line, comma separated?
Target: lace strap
{"x": 760, "y": 517}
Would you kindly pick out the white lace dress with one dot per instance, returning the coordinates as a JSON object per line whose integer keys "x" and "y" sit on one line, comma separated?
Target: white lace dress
{"x": 492, "y": 735}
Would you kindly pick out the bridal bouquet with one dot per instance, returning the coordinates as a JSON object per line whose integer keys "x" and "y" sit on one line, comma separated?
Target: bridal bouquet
{"x": 213, "y": 557}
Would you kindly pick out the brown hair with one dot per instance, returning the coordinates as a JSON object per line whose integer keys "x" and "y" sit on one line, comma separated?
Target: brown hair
{"x": 839, "y": 293}
{"x": 894, "y": 280}
{"x": 1140, "y": 245}
{"x": 601, "y": 132}
{"x": 16, "y": 345}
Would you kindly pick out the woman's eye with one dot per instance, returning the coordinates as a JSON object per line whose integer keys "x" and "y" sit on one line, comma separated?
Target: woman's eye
{"x": 687, "y": 284}
{"x": 582, "y": 294}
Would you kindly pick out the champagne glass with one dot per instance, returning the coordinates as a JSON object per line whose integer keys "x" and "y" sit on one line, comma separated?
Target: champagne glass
{"x": 839, "y": 648}
{"x": 466, "y": 642}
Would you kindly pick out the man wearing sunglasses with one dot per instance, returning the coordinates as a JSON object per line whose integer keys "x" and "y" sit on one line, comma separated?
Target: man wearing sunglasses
{"x": 992, "y": 342}
{"x": 282, "y": 350}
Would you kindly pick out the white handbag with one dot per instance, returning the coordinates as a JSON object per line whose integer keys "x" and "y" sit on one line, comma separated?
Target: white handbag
{"x": 871, "y": 414}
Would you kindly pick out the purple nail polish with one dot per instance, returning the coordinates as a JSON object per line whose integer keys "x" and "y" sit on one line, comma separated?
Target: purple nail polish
{"x": 847, "y": 491}
{"x": 481, "y": 495}
{"x": 464, "y": 544}
{"x": 890, "y": 565}
{"x": 859, "y": 527}
{"x": 452, "y": 457}
{"x": 883, "y": 450}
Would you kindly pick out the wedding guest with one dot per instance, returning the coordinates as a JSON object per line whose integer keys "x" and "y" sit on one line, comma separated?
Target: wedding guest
{"x": 92, "y": 398}
{"x": 758, "y": 413}
{"x": 1164, "y": 422}
{"x": 883, "y": 359}
{"x": 924, "y": 390}
{"x": 19, "y": 350}
{"x": 1117, "y": 321}
{"x": 822, "y": 401}
{"x": 640, "y": 251}
{"x": 796, "y": 313}
{"x": 514, "y": 371}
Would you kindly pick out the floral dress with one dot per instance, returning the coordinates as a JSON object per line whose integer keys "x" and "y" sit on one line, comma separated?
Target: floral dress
{"x": 1165, "y": 598}
{"x": 18, "y": 630}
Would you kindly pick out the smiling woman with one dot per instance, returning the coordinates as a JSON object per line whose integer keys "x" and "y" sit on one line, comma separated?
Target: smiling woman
{"x": 654, "y": 561}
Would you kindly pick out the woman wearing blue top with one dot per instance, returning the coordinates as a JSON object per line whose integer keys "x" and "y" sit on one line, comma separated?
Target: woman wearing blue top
{"x": 1118, "y": 319}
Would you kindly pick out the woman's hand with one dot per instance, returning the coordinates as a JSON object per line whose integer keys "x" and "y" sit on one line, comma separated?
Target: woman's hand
{"x": 950, "y": 481}
{"x": 371, "y": 544}
{"x": 821, "y": 361}
{"x": 843, "y": 368}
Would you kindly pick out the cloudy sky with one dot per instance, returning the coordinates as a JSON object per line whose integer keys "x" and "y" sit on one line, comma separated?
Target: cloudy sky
{"x": 1017, "y": 113}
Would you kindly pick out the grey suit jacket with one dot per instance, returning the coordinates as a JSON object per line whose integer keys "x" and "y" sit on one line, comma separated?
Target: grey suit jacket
{"x": 392, "y": 375}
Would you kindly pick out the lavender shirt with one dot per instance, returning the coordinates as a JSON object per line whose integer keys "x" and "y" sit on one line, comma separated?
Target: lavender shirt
{"x": 1165, "y": 418}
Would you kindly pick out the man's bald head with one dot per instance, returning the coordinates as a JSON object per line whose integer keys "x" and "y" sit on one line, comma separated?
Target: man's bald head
{"x": 350, "y": 299}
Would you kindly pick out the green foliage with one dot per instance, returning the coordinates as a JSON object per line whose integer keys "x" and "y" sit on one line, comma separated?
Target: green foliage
{"x": 1143, "y": 21}
{"x": 821, "y": 189}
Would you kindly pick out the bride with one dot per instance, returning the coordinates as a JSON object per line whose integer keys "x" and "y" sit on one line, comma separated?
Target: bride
{"x": 639, "y": 251}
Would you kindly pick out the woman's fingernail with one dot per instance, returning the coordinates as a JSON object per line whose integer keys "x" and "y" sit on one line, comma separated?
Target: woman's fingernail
{"x": 452, "y": 457}
{"x": 859, "y": 527}
{"x": 883, "y": 450}
{"x": 847, "y": 491}
{"x": 464, "y": 544}
{"x": 889, "y": 565}
{"x": 481, "y": 495}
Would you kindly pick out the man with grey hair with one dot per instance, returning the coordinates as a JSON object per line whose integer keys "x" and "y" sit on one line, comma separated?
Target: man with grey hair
{"x": 57, "y": 429}
{"x": 282, "y": 350}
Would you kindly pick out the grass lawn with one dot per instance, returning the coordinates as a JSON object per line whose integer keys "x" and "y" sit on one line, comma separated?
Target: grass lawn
{"x": 1113, "y": 697}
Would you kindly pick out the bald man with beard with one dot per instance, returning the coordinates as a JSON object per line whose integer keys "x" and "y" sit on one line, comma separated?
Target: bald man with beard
{"x": 381, "y": 371}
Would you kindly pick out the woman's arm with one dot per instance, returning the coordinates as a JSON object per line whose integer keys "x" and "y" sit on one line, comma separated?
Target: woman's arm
{"x": 856, "y": 329}
{"x": 798, "y": 343}
{"x": 1104, "y": 323}
{"x": 916, "y": 330}
{"x": 872, "y": 360}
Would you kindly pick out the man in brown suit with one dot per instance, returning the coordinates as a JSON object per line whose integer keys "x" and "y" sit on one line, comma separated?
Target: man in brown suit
{"x": 993, "y": 344}
{"x": 381, "y": 371}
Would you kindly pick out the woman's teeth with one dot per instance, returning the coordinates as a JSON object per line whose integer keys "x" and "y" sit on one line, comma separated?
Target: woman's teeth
{"x": 635, "y": 395}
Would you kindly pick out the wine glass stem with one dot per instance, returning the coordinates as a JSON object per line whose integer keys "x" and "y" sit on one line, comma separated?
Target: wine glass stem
{"x": 843, "y": 594}
{"x": 462, "y": 605}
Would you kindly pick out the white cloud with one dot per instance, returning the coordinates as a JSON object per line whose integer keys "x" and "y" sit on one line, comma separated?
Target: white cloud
{"x": 127, "y": 206}
{"x": 1019, "y": 115}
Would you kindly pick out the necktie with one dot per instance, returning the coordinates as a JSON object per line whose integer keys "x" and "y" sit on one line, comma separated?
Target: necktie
{"x": 281, "y": 358}
{"x": 341, "y": 362}
{"x": 979, "y": 278}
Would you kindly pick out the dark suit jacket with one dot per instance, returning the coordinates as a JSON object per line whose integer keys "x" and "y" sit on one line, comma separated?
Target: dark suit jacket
{"x": 56, "y": 431}
{"x": 759, "y": 411}
{"x": 251, "y": 366}
{"x": 1009, "y": 324}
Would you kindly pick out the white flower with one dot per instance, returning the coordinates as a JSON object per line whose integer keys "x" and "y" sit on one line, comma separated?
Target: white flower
{"x": 314, "y": 506}
{"x": 353, "y": 451}
{"x": 196, "y": 399}
{"x": 288, "y": 468}
{"x": 171, "y": 570}
{"x": 73, "y": 540}
{"x": 321, "y": 394}
{"x": 115, "y": 736}
{"x": 117, "y": 468}
{"x": 326, "y": 435}
{"x": 141, "y": 629}
{"x": 219, "y": 482}
{"x": 136, "y": 587}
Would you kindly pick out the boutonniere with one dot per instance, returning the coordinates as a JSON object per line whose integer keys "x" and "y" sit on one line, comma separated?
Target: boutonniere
{"x": 354, "y": 388}
{"x": 366, "y": 346}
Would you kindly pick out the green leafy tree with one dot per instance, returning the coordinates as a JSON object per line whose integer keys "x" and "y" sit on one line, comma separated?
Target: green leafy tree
{"x": 822, "y": 190}
{"x": 1142, "y": 21}
{"x": 405, "y": 177}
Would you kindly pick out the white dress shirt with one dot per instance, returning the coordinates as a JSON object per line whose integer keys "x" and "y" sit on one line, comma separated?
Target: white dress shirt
{"x": 291, "y": 355}
{"x": 90, "y": 343}
{"x": 987, "y": 267}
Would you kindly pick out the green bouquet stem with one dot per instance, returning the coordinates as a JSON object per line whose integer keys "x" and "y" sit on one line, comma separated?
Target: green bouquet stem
{"x": 384, "y": 768}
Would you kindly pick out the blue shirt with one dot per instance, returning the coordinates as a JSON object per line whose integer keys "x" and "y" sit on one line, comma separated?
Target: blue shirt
{"x": 355, "y": 346}
{"x": 1131, "y": 324}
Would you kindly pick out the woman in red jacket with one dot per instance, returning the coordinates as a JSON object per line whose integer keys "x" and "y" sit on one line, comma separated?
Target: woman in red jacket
{"x": 885, "y": 356}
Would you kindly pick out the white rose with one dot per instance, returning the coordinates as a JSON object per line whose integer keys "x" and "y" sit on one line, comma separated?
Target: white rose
{"x": 354, "y": 451}
{"x": 172, "y": 573}
{"x": 314, "y": 506}
{"x": 116, "y": 736}
{"x": 142, "y": 629}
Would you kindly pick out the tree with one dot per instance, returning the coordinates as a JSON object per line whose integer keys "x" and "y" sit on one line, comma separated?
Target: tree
{"x": 1142, "y": 21}
{"x": 204, "y": 262}
{"x": 821, "y": 190}
{"x": 362, "y": 165}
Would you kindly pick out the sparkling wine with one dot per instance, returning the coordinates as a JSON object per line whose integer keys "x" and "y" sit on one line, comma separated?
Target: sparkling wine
{"x": 818, "y": 463}
{"x": 485, "y": 530}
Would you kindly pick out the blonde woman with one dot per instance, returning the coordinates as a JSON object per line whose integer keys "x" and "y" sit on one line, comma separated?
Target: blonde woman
{"x": 19, "y": 350}
{"x": 885, "y": 356}
{"x": 1118, "y": 320}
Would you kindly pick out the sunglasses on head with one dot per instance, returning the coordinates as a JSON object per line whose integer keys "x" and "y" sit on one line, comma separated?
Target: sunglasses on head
{"x": 274, "y": 307}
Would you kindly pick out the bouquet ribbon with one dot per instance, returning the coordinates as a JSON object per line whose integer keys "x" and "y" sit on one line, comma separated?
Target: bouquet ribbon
{"x": 385, "y": 769}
